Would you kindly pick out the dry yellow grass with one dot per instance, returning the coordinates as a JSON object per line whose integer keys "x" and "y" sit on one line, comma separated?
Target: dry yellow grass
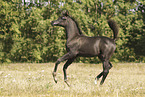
{"x": 35, "y": 80}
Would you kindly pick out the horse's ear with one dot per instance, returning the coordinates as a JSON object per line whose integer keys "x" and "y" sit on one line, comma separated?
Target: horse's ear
{"x": 65, "y": 12}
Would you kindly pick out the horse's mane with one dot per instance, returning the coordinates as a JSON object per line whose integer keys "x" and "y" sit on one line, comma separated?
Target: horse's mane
{"x": 80, "y": 32}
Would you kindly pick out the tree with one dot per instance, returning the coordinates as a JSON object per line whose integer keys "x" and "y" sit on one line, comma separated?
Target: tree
{"x": 26, "y": 33}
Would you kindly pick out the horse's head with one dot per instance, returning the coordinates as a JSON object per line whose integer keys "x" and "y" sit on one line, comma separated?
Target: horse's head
{"x": 62, "y": 20}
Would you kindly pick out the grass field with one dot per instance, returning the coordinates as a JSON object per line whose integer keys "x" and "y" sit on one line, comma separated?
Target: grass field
{"x": 35, "y": 80}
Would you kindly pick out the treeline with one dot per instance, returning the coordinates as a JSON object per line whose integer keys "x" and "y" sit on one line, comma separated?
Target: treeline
{"x": 26, "y": 34}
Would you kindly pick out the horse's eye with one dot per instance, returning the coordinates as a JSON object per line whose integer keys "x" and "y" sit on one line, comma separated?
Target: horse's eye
{"x": 64, "y": 18}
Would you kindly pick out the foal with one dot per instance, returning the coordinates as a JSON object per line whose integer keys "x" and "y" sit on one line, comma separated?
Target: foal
{"x": 80, "y": 45}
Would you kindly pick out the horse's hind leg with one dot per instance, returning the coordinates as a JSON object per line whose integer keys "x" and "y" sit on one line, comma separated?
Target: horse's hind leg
{"x": 64, "y": 69}
{"x": 106, "y": 67}
{"x": 97, "y": 78}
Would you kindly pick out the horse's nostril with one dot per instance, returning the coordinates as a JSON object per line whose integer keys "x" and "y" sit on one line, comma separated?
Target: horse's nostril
{"x": 54, "y": 23}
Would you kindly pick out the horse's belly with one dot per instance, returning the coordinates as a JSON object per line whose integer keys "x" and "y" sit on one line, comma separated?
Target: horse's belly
{"x": 88, "y": 53}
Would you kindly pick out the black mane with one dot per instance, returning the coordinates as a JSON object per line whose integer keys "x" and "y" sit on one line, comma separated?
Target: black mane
{"x": 80, "y": 32}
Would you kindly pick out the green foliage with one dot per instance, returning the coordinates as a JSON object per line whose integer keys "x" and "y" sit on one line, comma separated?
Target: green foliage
{"x": 26, "y": 34}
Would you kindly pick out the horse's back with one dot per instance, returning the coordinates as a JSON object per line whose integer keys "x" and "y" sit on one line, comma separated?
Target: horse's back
{"x": 93, "y": 46}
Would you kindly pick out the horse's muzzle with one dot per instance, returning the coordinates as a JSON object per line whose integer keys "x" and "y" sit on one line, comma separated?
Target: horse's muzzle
{"x": 55, "y": 23}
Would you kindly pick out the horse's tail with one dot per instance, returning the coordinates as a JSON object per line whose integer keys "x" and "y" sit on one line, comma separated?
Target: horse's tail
{"x": 113, "y": 25}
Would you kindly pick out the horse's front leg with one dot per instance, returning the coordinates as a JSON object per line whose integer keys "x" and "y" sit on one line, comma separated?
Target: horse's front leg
{"x": 64, "y": 69}
{"x": 65, "y": 57}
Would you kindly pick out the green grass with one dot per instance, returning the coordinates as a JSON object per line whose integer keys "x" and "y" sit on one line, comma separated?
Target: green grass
{"x": 35, "y": 80}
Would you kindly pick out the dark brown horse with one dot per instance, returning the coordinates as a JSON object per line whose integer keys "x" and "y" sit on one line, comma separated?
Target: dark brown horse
{"x": 80, "y": 45}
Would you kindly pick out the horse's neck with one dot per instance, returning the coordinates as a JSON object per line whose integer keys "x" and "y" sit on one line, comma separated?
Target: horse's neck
{"x": 72, "y": 31}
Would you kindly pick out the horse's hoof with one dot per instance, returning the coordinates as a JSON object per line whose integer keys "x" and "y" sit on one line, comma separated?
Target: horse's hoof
{"x": 55, "y": 81}
{"x": 54, "y": 75}
{"x": 95, "y": 81}
{"x": 67, "y": 83}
